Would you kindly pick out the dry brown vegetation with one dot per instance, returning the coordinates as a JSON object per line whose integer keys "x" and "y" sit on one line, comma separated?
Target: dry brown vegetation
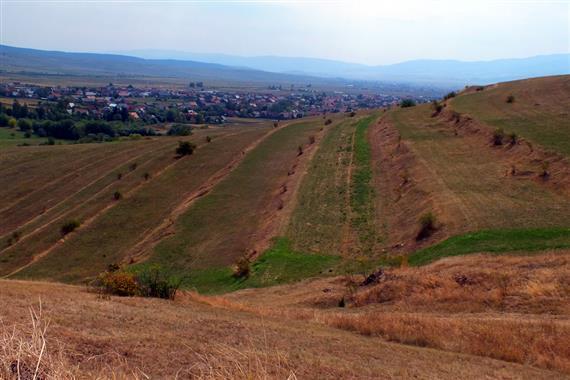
{"x": 94, "y": 337}
{"x": 513, "y": 308}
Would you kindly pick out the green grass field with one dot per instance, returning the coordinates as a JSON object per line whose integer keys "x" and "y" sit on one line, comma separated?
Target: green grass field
{"x": 495, "y": 242}
{"x": 322, "y": 210}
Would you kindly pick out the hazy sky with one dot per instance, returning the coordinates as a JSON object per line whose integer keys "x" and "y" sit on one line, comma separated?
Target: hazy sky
{"x": 373, "y": 32}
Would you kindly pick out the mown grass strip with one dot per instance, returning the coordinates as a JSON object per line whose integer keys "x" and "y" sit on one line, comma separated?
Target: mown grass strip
{"x": 362, "y": 191}
{"x": 496, "y": 242}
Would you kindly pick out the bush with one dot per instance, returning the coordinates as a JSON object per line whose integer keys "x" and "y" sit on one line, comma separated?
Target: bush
{"x": 407, "y": 103}
{"x": 185, "y": 148}
{"x": 242, "y": 268}
{"x": 180, "y": 130}
{"x": 146, "y": 176}
{"x": 352, "y": 114}
{"x": 117, "y": 195}
{"x": 510, "y": 99}
{"x": 513, "y": 138}
{"x": 118, "y": 283}
{"x": 69, "y": 227}
{"x": 299, "y": 150}
{"x": 437, "y": 108}
{"x": 328, "y": 121}
{"x": 312, "y": 139}
{"x": 498, "y": 136}
{"x": 208, "y": 139}
{"x": 450, "y": 95}
{"x": 24, "y": 125}
{"x": 427, "y": 226}
{"x": 153, "y": 282}
{"x": 148, "y": 282}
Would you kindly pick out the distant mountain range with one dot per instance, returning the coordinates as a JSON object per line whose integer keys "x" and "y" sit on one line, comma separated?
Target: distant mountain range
{"x": 22, "y": 60}
{"x": 444, "y": 72}
{"x": 277, "y": 70}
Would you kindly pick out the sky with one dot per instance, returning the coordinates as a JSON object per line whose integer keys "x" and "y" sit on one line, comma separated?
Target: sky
{"x": 367, "y": 31}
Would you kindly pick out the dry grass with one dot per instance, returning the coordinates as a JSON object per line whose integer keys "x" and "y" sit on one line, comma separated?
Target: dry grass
{"x": 148, "y": 338}
{"x": 538, "y": 343}
{"x": 26, "y": 352}
{"x": 512, "y": 308}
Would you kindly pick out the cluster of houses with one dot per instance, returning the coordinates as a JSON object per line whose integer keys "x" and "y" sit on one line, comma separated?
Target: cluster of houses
{"x": 196, "y": 104}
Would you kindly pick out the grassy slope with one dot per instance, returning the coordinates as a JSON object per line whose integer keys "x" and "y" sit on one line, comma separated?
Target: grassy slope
{"x": 220, "y": 227}
{"x": 474, "y": 181}
{"x": 495, "y": 241}
{"x": 362, "y": 191}
{"x": 333, "y": 212}
{"x": 104, "y": 241}
{"x": 322, "y": 203}
{"x": 502, "y": 214}
{"x": 540, "y": 112}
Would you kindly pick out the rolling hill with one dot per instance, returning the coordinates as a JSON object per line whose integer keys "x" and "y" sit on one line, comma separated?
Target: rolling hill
{"x": 459, "y": 210}
{"x": 435, "y": 72}
{"x": 31, "y": 61}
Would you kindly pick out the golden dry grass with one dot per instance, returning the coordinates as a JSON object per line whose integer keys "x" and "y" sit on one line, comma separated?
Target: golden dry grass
{"x": 142, "y": 338}
{"x": 511, "y": 308}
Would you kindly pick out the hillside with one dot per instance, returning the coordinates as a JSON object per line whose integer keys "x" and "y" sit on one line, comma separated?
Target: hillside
{"x": 459, "y": 210}
{"x": 436, "y": 72}
{"x": 41, "y": 62}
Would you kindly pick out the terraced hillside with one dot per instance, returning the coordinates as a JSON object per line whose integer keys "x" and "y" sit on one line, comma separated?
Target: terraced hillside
{"x": 146, "y": 174}
{"x": 508, "y": 188}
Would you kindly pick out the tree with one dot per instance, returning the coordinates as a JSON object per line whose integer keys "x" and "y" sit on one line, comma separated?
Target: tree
{"x": 407, "y": 103}
{"x": 24, "y": 125}
{"x": 4, "y": 120}
{"x": 185, "y": 148}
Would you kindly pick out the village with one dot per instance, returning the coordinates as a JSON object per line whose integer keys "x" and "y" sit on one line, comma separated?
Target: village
{"x": 195, "y": 104}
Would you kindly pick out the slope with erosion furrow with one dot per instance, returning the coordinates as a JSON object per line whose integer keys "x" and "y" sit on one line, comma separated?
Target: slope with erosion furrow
{"x": 243, "y": 212}
{"x": 114, "y": 230}
{"x": 539, "y": 112}
{"x": 513, "y": 308}
{"x": 447, "y": 164}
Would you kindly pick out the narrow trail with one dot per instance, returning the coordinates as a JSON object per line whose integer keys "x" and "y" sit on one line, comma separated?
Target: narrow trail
{"x": 347, "y": 232}
{"x": 90, "y": 220}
